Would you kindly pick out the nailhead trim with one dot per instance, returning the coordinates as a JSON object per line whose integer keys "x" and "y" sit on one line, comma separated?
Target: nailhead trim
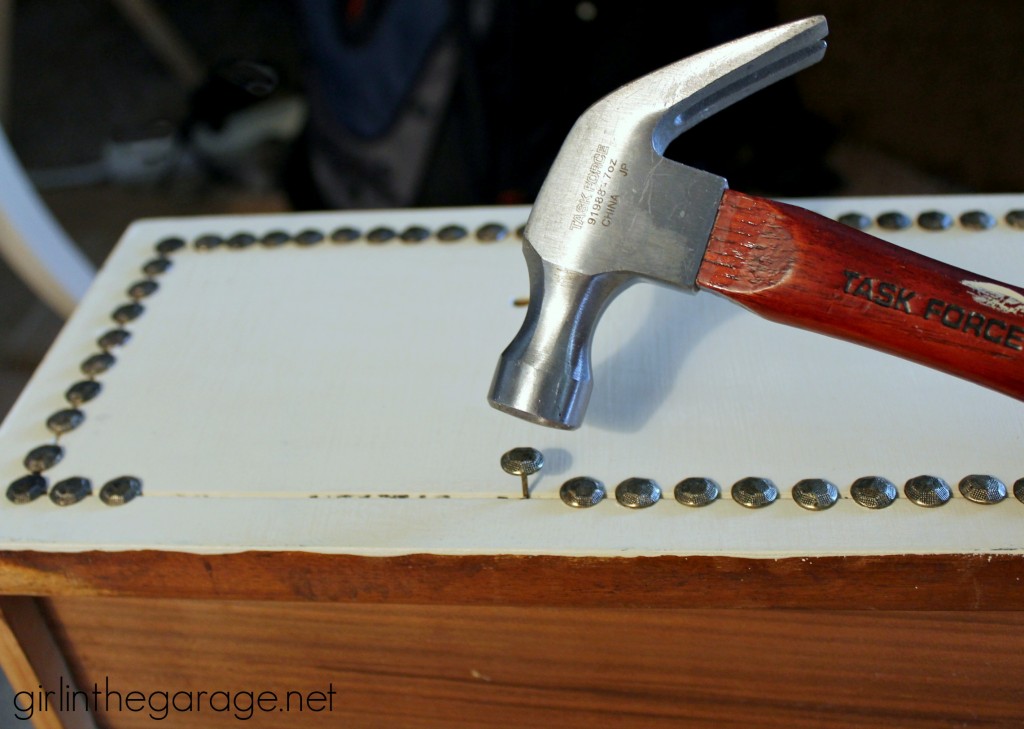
{"x": 127, "y": 313}
{"x": 904, "y": 493}
{"x": 935, "y": 221}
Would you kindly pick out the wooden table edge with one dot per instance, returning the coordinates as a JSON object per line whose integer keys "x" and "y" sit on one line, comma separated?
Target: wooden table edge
{"x": 887, "y": 582}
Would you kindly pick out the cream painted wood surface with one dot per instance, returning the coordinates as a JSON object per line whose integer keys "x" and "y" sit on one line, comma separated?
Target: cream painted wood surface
{"x": 332, "y": 398}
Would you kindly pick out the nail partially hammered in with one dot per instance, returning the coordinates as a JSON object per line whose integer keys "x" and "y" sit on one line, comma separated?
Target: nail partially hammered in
{"x": 522, "y": 462}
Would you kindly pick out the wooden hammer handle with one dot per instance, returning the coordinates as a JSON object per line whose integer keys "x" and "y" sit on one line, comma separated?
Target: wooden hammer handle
{"x": 799, "y": 268}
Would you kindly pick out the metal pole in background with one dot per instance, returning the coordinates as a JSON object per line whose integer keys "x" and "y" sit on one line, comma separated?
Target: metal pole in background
{"x": 163, "y": 40}
{"x": 6, "y": 55}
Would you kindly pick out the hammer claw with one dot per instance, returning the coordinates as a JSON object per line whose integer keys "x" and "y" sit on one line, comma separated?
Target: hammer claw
{"x": 702, "y": 85}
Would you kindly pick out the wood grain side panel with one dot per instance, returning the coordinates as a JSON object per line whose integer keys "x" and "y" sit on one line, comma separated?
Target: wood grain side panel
{"x": 441, "y": 666}
{"x": 903, "y": 582}
{"x": 20, "y": 646}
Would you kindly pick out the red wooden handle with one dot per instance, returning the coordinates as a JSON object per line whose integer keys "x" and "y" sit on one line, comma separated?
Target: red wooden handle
{"x": 798, "y": 268}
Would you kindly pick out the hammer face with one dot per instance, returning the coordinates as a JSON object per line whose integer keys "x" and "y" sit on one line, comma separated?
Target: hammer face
{"x": 544, "y": 375}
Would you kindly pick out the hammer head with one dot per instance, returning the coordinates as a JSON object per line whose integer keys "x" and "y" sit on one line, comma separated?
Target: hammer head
{"x": 613, "y": 210}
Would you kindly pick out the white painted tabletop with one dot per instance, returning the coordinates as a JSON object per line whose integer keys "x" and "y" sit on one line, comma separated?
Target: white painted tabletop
{"x": 332, "y": 398}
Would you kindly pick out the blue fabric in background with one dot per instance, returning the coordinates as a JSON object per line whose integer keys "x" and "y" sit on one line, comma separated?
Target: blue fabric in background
{"x": 364, "y": 77}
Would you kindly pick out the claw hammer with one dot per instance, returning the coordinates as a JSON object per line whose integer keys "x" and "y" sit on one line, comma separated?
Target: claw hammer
{"x": 613, "y": 210}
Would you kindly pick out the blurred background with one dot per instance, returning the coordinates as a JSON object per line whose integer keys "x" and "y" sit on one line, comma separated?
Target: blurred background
{"x": 125, "y": 109}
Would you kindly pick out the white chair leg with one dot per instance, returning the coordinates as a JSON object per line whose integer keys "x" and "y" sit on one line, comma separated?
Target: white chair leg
{"x": 33, "y": 242}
